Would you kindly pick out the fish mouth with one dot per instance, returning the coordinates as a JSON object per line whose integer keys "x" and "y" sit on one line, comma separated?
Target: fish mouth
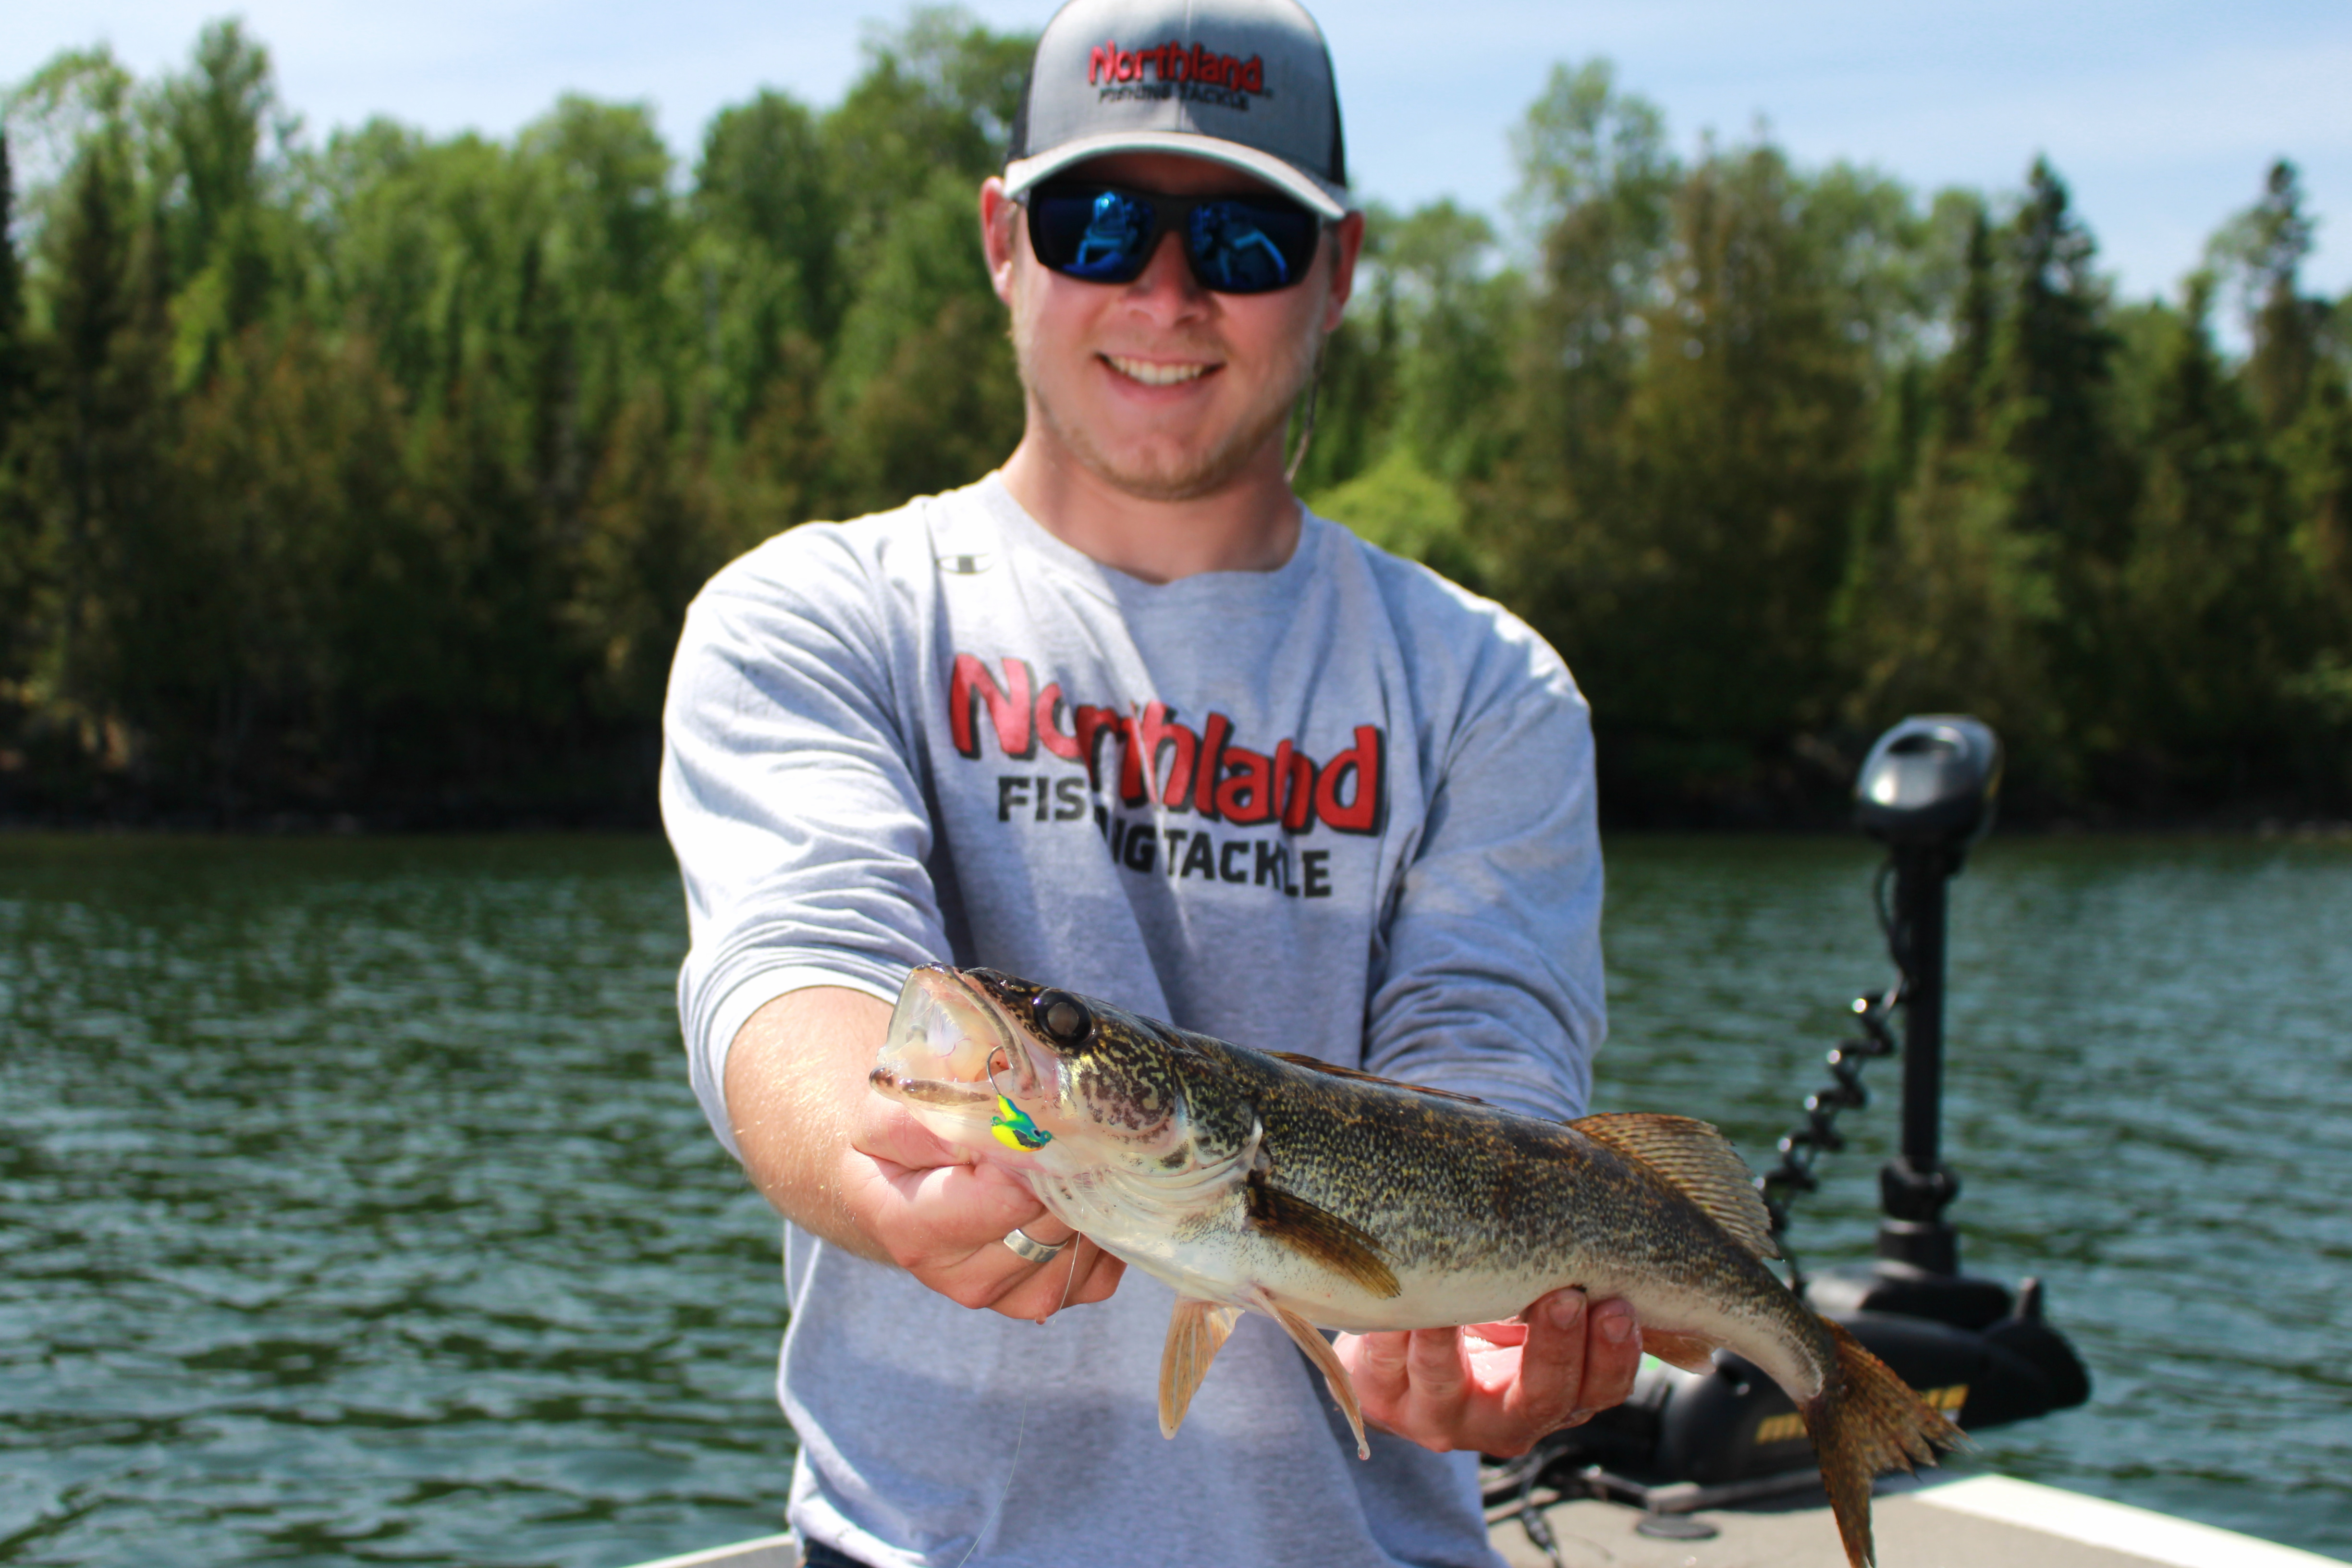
{"x": 949, "y": 1046}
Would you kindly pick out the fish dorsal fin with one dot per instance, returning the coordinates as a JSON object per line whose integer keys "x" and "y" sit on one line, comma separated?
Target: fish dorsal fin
{"x": 1700, "y": 1163}
{"x": 1319, "y": 1235}
{"x": 1317, "y": 1064}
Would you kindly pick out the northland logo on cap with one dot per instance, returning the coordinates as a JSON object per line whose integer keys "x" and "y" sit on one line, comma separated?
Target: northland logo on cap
{"x": 1246, "y": 83}
{"x": 1172, "y": 66}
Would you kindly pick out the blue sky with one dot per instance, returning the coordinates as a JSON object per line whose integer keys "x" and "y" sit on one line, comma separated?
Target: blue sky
{"x": 2162, "y": 115}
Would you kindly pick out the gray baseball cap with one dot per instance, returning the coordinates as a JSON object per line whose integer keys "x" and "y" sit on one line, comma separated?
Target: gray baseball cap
{"x": 1245, "y": 83}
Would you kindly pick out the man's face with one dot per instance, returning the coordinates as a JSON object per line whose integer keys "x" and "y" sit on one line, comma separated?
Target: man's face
{"x": 1159, "y": 386}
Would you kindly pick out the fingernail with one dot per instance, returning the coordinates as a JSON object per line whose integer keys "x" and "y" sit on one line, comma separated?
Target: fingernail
{"x": 1616, "y": 1324}
{"x": 1577, "y": 1417}
{"x": 1568, "y": 1310}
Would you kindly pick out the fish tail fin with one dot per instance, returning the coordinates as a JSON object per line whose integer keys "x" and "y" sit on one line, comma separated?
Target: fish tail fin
{"x": 1866, "y": 1420}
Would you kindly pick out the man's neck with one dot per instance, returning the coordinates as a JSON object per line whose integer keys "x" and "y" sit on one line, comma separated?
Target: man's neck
{"x": 1250, "y": 523}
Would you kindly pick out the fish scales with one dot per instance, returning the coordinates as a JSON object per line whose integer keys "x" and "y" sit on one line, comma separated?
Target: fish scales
{"x": 1410, "y": 1168}
{"x": 1324, "y": 1198}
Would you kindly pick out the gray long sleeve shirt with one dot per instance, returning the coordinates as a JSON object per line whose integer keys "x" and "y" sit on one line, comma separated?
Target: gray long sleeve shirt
{"x": 1341, "y": 807}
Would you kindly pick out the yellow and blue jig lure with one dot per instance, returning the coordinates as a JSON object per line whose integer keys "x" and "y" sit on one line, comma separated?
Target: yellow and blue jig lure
{"x": 1015, "y": 1129}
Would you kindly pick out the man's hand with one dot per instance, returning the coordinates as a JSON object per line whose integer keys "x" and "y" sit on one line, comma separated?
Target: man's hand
{"x": 844, "y": 1163}
{"x": 944, "y": 1220}
{"x": 1497, "y": 1387}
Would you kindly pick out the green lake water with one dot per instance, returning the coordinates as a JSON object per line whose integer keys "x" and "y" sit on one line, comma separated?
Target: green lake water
{"x": 353, "y": 1207}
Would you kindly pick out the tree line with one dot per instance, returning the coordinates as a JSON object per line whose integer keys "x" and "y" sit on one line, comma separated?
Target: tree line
{"x": 370, "y": 475}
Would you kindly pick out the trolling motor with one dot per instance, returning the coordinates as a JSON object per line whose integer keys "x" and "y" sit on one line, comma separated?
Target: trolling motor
{"x": 1692, "y": 1440}
{"x": 1927, "y": 790}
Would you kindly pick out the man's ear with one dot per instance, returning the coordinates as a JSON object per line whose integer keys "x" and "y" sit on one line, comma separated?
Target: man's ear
{"x": 1348, "y": 243}
{"x": 1000, "y": 228}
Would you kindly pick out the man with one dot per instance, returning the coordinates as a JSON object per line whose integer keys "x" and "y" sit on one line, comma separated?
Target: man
{"x": 1122, "y": 717}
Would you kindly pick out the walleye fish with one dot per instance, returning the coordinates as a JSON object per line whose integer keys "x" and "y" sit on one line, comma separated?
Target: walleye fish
{"x": 1262, "y": 1181}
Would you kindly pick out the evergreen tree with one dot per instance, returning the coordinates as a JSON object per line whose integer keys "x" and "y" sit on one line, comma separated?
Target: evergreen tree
{"x": 2212, "y": 617}
{"x": 2051, "y": 420}
{"x": 2317, "y": 455}
{"x": 1596, "y": 185}
{"x": 2265, "y": 247}
{"x": 223, "y": 238}
{"x": 766, "y": 257}
{"x": 96, "y": 413}
{"x": 1748, "y": 427}
{"x": 16, "y": 362}
{"x": 19, "y": 576}
{"x": 1950, "y": 603}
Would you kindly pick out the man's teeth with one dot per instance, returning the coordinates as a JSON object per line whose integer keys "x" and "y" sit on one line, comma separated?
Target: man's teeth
{"x": 1151, "y": 375}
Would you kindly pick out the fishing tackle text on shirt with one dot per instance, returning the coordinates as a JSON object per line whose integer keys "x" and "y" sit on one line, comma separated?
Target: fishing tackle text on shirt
{"x": 1163, "y": 764}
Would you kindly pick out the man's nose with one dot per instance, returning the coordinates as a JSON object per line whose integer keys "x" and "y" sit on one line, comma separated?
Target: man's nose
{"x": 1166, "y": 282}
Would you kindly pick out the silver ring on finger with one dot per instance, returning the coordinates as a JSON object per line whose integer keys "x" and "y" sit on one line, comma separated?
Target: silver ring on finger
{"x": 1029, "y": 1249}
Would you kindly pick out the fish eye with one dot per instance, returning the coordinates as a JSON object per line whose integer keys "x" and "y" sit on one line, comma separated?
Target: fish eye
{"x": 1063, "y": 1016}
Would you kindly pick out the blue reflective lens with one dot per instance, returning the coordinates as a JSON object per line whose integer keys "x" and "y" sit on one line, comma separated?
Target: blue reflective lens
{"x": 1232, "y": 251}
{"x": 1235, "y": 245}
{"x": 1113, "y": 243}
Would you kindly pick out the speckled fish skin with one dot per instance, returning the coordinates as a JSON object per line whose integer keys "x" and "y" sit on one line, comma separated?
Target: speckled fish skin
{"x": 1252, "y": 1181}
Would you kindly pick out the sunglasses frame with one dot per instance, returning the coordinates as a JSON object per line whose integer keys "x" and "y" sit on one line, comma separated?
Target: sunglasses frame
{"x": 1170, "y": 214}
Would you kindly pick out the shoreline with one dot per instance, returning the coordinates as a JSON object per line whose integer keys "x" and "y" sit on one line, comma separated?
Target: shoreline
{"x": 2236, "y": 825}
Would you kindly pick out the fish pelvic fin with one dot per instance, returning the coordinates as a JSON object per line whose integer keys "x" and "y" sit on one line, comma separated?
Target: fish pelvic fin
{"x": 1319, "y": 1235}
{"x": 1699, "y": 1161}
{"x": 1692, "y": 1353}
{"x": 1196, "y": 1332}
{"x": 1335, "y": 1375}
{"x": 1866, "y": 1420}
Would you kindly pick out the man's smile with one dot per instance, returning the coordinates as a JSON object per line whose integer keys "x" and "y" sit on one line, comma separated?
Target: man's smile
{"x": 1152, "y": 374}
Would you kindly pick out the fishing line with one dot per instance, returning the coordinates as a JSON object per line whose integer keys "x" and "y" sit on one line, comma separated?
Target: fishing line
{"x": 1021, "y": 1431}
{"x": 1307, "y": 431}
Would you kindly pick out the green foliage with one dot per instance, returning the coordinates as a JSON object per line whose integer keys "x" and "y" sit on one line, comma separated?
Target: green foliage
{"x": 1406, "y": 511}
{"x": 376, "y": 473}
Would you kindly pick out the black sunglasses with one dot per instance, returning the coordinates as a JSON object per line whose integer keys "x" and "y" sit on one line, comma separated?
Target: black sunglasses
{"x": 1235, "y": 245}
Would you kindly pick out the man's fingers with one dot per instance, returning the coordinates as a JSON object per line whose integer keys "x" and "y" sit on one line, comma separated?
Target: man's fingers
{"x": 1612, "y": 1354}
{"x": 1099, "y": 1276}
{"x": 1434, "y": 1361}
{"x": 1081, "y": 1273}
{"x": 1376, "y": 1363}
{"x": 1551, "y": 1364}
{"x": 1412, "y": 1383}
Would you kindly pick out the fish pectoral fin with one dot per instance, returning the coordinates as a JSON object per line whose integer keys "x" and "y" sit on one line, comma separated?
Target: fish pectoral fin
{"x": 1326, "y": 1359}
{"x": 1689, "y": 1351}
{"x": 1196, "y": 1332}
{"x": 1323, "y": 1237}
{"x": 1317, "y": 1064}
{"x": 1699, "y": 1161}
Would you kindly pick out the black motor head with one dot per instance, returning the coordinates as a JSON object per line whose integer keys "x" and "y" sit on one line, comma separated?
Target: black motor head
{"x": 1930, "y": 783}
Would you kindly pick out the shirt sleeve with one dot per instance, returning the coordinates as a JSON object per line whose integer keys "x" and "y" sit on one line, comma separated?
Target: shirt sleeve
{"x": 1488, "y": 981}
{"x": 789, "y": 797}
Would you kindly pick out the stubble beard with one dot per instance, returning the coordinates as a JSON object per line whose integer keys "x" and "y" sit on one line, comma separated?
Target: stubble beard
{"x": 1190, "y": 474}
